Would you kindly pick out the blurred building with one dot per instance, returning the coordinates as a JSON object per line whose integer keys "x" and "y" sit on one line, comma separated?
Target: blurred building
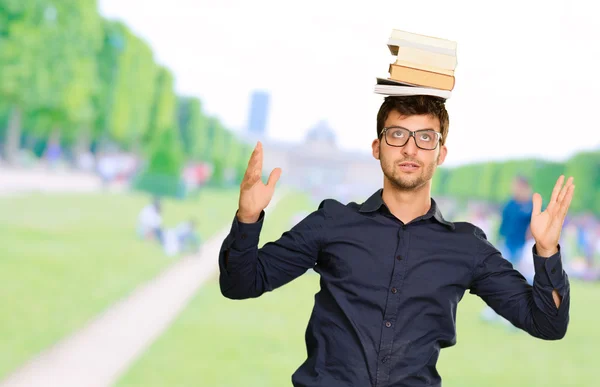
{"x": 318, "y": 166}
{"x": 259, "y": 113}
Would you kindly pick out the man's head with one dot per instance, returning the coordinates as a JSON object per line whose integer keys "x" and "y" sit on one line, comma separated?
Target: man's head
{"x": 521, "y": 188}
{"x": 411, "y": 133}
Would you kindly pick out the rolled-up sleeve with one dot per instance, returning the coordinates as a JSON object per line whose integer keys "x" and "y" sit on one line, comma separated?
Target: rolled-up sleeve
{"x": 531, "y": 308}
{"x": 245, "y": 271}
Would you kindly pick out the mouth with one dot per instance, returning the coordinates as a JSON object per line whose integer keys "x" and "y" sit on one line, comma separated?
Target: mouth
{"x": 408, "y": 166}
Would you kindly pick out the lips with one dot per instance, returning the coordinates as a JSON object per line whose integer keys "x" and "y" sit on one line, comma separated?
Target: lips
{"x": 409, "y": 164}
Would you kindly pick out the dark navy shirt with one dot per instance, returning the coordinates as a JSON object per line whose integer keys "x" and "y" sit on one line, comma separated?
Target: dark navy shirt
{"x": 389, "y": 291}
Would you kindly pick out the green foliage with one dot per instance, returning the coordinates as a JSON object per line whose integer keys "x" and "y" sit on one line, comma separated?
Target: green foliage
{"x": 128, "y": 73}
{"x": 163, "y": 112}
{"x": 20, "y": 39}
{"x": 162, "y": 177}
{"x": 493, "y": 181}
{"x": 193, "y": 127}
{"x": 66, "y": 75}
{"x": 585, "y": 168}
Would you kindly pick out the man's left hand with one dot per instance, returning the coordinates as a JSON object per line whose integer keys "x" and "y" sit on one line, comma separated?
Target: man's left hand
{"x": 546, "y": 226}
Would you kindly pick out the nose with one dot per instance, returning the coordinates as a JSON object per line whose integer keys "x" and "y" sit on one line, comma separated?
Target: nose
{"x": 410, "y": 148}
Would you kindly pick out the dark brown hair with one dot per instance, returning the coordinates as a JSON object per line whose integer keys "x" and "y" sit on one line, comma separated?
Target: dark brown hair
{"x": 415, "y": 105}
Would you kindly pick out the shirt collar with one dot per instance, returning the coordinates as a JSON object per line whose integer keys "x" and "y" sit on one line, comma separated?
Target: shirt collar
{"x": 375, "y": 202}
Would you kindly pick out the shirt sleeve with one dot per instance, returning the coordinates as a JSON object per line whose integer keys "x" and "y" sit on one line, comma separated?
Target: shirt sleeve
{"x": 530, "y": 308}
{"x": 245, "y": 271}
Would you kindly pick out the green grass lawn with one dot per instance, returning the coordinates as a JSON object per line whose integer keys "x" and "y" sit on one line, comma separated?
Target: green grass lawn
{"x": 65, "y": 258}
{"x": 212, "y": 339}
{"x": 260, "y": 342}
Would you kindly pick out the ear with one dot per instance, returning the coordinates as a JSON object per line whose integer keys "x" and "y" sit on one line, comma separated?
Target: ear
{"x": 375, "y": 146}
{"x": 442, "y": 155}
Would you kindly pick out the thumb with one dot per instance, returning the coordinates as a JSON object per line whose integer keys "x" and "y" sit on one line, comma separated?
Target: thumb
{"x": 274, "y": 177}
{"x": 537, "y": 204}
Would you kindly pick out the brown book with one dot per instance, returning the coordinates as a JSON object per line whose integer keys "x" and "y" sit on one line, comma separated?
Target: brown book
{"x": 420, "y": 77}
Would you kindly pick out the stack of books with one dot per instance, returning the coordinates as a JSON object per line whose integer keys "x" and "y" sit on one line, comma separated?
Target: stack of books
{"x": 424, "y": 65}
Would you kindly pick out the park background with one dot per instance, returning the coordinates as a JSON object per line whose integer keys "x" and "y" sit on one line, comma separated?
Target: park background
{"x": 106, "y": 105}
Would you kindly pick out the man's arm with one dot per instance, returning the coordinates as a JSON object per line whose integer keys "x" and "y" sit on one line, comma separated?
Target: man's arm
{"x": 542, "y": 310}
{"x": 247, "y": 271}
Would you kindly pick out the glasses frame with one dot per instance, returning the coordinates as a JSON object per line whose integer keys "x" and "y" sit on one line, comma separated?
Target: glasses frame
{"x": 411, "y": 134}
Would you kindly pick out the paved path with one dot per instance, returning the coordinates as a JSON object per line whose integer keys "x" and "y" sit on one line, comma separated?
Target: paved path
{"x": 100, "y": 353}
{"x": 18, "y": 181}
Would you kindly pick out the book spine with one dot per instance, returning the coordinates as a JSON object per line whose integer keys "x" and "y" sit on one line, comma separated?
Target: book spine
{"x": 421, "y": 77}
{"x": 423, "y": 67}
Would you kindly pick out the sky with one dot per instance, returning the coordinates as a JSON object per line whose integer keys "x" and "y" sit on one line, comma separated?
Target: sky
{"x": 527, "y": 81}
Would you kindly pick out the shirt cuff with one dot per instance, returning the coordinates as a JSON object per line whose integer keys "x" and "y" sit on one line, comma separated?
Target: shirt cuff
{"x": 549, "y": 271}
{"x": 246, "y": 235}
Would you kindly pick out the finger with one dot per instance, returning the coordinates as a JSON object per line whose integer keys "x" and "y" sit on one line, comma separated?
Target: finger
{"x": 564, "y": 190}
{"x": 254, "y": 164}
{"x": 537, "y": 204}
{"x": 556, "y": 189}
{"x": 274, "y": 178}
{"x": 564, "y": 206}
{"x": 251, "y": 162}
{"x": 259, "y": 157}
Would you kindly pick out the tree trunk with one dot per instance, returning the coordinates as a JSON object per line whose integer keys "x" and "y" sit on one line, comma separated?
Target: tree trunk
{"x": 84, "y": 140}
{"x": 13, "y": 135}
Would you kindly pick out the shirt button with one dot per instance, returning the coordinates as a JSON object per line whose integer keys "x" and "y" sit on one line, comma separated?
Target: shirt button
{"x": 388, "y": 324}
{"x": 398, "y": 257}
{"x": 243, "y": 236}
{"x": 394, "y": 290}
{"x": 553, "y": 271}
{"x": 384, "y": 359}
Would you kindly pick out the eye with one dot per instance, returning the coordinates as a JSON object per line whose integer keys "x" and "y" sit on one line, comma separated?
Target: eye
{"x": 397, "y": 133}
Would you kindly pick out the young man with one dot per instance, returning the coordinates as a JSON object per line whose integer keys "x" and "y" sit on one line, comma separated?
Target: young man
{"x": 392, "y": 268}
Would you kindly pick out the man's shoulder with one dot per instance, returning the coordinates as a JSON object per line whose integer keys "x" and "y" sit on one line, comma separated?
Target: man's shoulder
{"x": 334, "y": 208}
{"x": 468, "y": 228}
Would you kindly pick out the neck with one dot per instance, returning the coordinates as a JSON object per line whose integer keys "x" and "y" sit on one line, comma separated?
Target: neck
{"x": 407, "y": 205}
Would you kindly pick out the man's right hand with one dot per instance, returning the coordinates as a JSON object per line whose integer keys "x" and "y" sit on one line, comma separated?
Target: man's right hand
{"x": 254, "y": 194}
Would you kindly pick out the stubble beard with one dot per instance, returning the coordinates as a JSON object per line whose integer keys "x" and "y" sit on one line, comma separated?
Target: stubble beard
{"x": 406, "y": 182}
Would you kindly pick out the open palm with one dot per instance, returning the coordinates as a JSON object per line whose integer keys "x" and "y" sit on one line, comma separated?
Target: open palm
{"x": 254, "y": 194}
{"x": 546, "y": 226}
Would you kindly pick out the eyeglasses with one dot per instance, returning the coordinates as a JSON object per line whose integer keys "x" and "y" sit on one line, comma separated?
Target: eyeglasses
{"x": 426, "y": 139}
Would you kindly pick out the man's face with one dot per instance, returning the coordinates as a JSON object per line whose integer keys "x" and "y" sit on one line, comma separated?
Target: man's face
{"x": 408, "y": 167}
{"x": 521, "y": 190}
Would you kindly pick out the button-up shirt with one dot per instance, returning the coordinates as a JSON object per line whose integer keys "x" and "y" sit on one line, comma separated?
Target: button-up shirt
{"x": 389, "y": 290}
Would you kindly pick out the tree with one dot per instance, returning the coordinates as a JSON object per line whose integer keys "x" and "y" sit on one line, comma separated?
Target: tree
{"x": 62, "y": 87}
{"x": 21, "y": 22}
{"x": 129, "y": 76}
{"x": 585, "y": 169}
{"x": 162, "y": 176}
{"x": 193, "y": 127}
{"x": 163, "y": 113}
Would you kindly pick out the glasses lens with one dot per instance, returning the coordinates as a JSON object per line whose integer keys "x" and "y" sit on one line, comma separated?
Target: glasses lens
{"x": 427, "y": 139}
{"x": 397, "y": 136}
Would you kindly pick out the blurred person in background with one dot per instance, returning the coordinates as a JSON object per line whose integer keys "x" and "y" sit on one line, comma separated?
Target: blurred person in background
{"x": 188, "y": 236}
{"x": 513, "y": 232}
{"x": 516, "y": 216}
{"x": 149, "y": 223}
{"x": 392, "y": 268}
